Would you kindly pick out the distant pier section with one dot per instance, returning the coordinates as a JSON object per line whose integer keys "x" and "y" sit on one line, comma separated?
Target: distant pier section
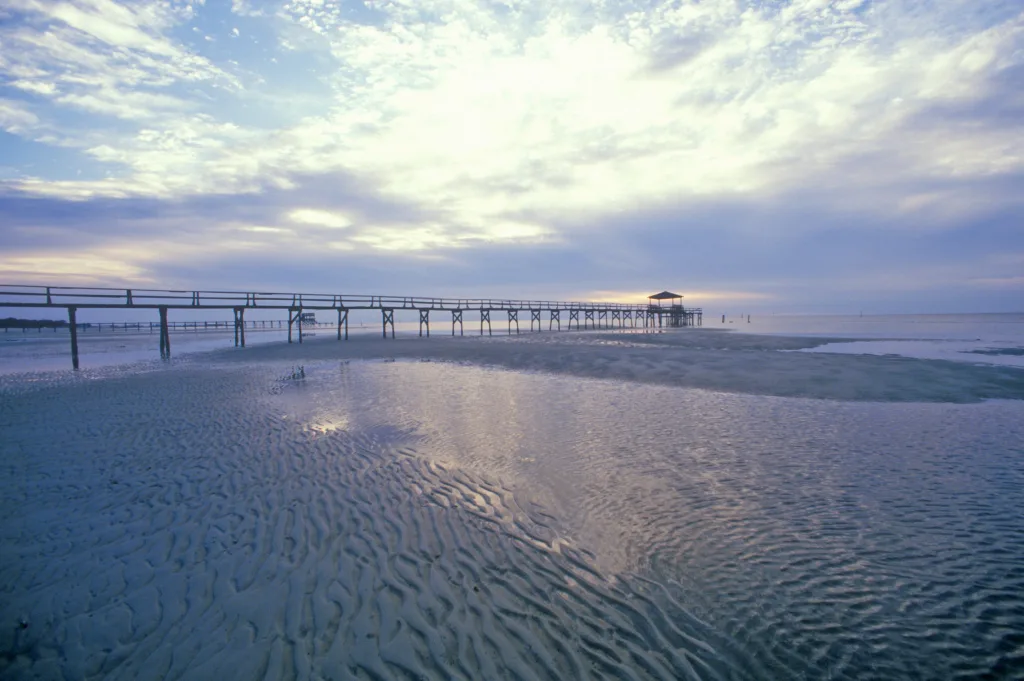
{"x": 663, "y": 309}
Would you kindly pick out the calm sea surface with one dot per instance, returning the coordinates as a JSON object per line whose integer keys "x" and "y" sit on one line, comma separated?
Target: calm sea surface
{"x": 976, "y": 338}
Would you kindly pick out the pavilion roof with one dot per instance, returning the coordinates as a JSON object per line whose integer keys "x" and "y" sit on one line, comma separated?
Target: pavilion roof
{"x": 664, "y": 295}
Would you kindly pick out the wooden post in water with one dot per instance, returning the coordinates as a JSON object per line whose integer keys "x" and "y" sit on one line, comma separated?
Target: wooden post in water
{"x": 556, "y": 316}
{"x": 165, "y": 335}
{"x": 425, "y": 321}
{"x": 342, "y": 319}
{"x": 239, "y": 326}
{"x": 296, "y": 320}
{"x": 74, "y": 337}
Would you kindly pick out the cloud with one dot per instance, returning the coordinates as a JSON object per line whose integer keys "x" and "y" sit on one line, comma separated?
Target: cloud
{"x": 311, "y": 216}
{"x": 16, "y": 118}
{"x": 618, "y": 134}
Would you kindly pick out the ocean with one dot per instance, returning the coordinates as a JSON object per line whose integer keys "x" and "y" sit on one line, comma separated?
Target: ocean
{"x": 798, "y": 498}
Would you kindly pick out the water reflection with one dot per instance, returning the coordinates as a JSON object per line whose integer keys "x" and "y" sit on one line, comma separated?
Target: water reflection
{"x": 822, "y": 536}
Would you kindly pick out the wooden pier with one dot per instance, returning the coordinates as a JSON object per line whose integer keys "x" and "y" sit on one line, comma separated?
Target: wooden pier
{"x": 594, "y": 314}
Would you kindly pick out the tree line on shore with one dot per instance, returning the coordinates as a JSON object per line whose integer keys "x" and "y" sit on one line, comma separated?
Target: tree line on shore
{"x": 15, "y": 323}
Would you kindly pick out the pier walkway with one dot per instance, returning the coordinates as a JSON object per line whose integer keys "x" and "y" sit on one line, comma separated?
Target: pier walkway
{"x": 586, "y": 315}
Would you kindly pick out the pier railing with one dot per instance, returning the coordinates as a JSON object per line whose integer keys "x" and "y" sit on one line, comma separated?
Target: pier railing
{"x": 82, "y": 297}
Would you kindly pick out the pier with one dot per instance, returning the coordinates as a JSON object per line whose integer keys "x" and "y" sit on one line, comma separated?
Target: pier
{"x": 585, "y": 315}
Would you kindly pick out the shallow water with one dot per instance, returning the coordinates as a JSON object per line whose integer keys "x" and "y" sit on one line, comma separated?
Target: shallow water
{"x": 423, "y": 518}
{"x": 996, "y": 339}
{"x": 826, "y": 540}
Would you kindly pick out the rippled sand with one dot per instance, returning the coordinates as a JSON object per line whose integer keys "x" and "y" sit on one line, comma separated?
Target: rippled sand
{"x": 376, "y": 520}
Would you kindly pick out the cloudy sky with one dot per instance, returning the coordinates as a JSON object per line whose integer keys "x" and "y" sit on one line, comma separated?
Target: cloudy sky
{"x": 804, "y": 155}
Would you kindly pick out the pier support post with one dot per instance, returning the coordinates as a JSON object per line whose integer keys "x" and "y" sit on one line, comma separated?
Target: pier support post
{"x": 342, "y": 319}
{"x": 165, "y": 335}
{"x": 73, "y": 325}
{"x": 556, "y": 316}
{"x": 588, "y": 320}
{"x": 296, "y": 320}
{"x": 535, "y": 317}
{"x": 239, "y": 326}
{"x": 513, "y": 316}
{"x": 388, "y": 318}
{"x": 425, "y": 321}
{"x": 485, "y": 316}
{"x": 574, "y": 315}
{"x": 457, "y": 319}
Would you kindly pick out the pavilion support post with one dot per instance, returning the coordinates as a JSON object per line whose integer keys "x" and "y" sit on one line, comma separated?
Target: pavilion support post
{"x": 73, "y": 325}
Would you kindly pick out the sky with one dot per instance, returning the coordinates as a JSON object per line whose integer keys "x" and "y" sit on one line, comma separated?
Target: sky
{"x": 802, "y": 156}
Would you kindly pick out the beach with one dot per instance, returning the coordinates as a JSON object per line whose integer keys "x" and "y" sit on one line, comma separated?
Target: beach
{"x": 694, "y": 504}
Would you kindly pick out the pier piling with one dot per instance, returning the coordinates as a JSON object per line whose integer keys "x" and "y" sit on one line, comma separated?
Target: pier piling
{"x": 74, "y": 337}
{"x": 556, "y": 316}
{"x": 342, "y": 319}
{"x": 239, "y": 326}
{"x": 295, "y": 319}
{"x": 165, "y": 335}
